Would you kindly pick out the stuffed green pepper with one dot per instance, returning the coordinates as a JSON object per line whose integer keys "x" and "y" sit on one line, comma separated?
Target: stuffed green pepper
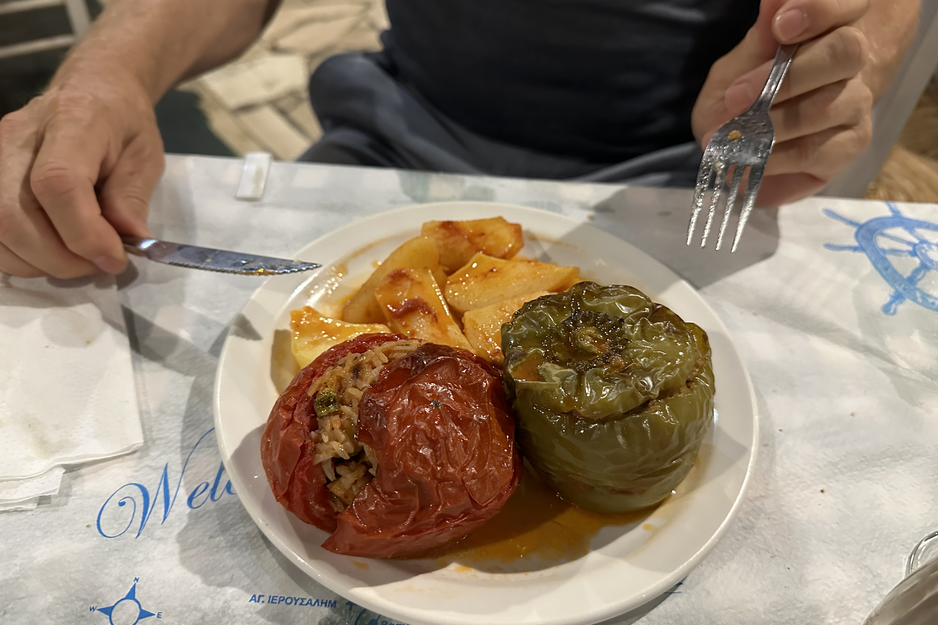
{"x": 613, "y": 394}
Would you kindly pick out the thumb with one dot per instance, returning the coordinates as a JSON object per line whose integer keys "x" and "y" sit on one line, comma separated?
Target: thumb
{"x": 715, "y": 106}
{"x": 758, "y": 46}
{"x": 125, "y": 195}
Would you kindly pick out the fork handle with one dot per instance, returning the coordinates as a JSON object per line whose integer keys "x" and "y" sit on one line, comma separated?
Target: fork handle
{"x": 779, "y": 67}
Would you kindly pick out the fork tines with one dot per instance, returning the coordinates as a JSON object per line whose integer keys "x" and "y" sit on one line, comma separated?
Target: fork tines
{"x": 712, "y": 175}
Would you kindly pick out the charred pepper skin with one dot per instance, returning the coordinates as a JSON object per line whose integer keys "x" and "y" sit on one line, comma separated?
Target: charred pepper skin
{"x": 613, "y": 394}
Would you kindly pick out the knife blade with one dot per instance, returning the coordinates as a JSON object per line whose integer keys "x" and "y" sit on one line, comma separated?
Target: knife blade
{"x": 224, "y": 261}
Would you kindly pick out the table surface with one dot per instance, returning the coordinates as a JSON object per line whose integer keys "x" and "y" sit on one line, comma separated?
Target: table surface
{"x": 844, "y": 370}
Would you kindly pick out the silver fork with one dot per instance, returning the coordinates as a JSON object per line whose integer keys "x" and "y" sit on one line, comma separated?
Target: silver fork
{"x": 743, "y": 142}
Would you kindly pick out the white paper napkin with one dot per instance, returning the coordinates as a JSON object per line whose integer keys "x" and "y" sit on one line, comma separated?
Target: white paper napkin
{"x": 24, "y": 494}
{"x": 67, "y": 394}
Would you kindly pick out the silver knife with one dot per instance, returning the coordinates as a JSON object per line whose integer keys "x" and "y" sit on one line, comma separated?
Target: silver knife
{"x": 196, "y": 257}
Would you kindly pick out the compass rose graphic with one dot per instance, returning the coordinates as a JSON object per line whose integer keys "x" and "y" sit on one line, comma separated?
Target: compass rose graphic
{"x": 903, "y": 250}
{"x": 126, "y": 611}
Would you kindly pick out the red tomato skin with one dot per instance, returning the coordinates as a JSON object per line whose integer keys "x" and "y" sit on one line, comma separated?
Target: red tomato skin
{"x": 297, "y": 483}
{"x": 439, "y": 424}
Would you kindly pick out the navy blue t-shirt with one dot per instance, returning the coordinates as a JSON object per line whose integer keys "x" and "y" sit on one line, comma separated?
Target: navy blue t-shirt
{"x": 601, "y": 80}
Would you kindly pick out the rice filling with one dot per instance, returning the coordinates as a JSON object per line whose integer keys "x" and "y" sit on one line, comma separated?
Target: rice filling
{"x": 348, "y": 464}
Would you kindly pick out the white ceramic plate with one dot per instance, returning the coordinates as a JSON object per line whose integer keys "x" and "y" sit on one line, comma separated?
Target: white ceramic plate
{"x": 626, "y": 567}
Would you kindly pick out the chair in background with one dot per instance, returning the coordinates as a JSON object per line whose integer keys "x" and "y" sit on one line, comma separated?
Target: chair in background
{"x": 77, "y": 16}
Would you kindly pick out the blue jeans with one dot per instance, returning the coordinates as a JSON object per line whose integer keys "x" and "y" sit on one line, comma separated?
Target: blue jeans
{"x": 369, "y": 118}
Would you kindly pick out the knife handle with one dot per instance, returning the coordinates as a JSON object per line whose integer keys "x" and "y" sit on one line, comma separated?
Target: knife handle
{"x": 137, "y": 245}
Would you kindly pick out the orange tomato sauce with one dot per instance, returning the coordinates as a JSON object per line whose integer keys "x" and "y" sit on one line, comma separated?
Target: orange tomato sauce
{"x": 535, "y": 525}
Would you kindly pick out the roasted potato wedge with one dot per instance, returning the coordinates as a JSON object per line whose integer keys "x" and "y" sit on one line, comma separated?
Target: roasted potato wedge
{"x": 483, "y": 326}
{"x": 419, "y": 252}
{"x": 312, "y": 333}
{"x": 485, "y": 280}
{"x": 458, "y": 241}
{"x": 413, "y": 305}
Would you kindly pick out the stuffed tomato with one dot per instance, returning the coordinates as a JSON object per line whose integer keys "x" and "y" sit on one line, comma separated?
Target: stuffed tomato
{"x": 613, "y": 394}
{"x": 392, "y": 445}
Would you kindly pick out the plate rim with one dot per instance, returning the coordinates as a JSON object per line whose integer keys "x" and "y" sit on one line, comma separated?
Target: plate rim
{"x": 590, "y": 617}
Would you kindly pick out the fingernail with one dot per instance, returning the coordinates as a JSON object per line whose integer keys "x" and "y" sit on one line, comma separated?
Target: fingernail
{"x": 109, "y": 264}
{"x": 739, "y": 97}
{"x": 791, "y": 24}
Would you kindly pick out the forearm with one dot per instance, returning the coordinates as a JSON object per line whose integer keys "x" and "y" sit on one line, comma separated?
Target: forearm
{"x": 889, "y": 26}
{"x": 160, "y": 42}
